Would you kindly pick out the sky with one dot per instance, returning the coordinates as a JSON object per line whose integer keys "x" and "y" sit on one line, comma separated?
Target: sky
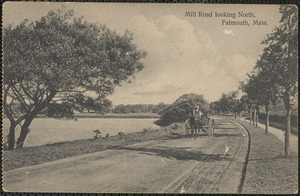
{"x": 185, "y": 54}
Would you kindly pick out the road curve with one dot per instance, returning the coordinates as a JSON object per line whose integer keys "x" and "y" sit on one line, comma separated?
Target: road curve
{"x": 175, "y": 165}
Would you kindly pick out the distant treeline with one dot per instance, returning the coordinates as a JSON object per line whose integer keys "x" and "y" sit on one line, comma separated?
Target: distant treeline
{"x": 140, "y": 108}
{"x": 115, "y": 115}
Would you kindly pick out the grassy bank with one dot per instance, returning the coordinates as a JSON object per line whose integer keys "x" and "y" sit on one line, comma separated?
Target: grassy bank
{"x": 268, "y": 172}
{"x": 37, "y": 155}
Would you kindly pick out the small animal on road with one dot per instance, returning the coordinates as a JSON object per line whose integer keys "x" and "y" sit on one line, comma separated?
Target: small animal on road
{"x": 226, "y": 150}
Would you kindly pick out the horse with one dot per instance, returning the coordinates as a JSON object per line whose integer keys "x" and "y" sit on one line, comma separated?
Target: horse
{"x": 188, "y": 127}
{"x": 211, "y": 127}
{"x": 197, "y": 127}
{"x": 192, "y": 127}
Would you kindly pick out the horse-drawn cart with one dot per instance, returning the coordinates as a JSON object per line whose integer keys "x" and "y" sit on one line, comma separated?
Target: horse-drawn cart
{"x": 198, "y": 122}
{"x": 208, "y": 125}
{"x": 204, "y": 122}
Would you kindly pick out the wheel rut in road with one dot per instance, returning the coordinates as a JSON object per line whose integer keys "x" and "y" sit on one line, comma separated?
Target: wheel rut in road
{"x": 206, "y": 175}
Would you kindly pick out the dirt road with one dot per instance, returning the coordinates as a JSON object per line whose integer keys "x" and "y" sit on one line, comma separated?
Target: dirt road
{"x": 176, "y": 165}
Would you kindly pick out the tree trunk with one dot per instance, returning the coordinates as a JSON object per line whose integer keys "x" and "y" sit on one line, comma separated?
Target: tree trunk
{"x": 287, "y": 133}
{"x": 254, "y": 116}
{"x": 22, "y": 137}
{"x": 287, "y": 124}
{"x": 11, "y": 136}
{"x": 250, "y": 116}
{"x": 267, "y": 119}
{"x": 24, "y": 132}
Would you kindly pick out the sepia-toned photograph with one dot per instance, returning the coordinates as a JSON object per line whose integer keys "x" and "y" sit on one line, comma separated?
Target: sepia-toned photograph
{"x": 149, "y": 98}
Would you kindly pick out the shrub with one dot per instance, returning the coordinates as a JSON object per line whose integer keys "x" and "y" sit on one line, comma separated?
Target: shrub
{"x": 279, "y": 118}
{"x": 175, "y": 126}
{"x": 145, "y": 131}
{"x": 121, "y": 135}
{"x": 278, "y": 121}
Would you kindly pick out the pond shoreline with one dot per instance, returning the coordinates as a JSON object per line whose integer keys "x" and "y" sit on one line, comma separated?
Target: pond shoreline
{"x": 117, "y": 115}
{"x": 48, "y": 130}
{"x": 36, "y": 155}
{"x": 107, "y": 115}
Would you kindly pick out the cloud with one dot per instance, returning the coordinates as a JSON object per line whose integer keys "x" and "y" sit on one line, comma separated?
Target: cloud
{"x": 228, "y": 32}
{"x": 181, "y": 59}
{"x": 237, "y": 66}
{"x": 164, "y": 90}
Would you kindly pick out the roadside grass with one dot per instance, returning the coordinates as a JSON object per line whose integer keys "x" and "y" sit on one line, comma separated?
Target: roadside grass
{"x": 268, "y": 171}
{"x": 41, "y": 154}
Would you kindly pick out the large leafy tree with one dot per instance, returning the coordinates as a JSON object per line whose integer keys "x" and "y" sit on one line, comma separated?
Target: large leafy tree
{"x": 61, "y": 59}
{"x": 249, "y": 88}
{"x": 267, "y": 91}
{"x": 227, "y": 103}
{"x": 261, "y": 91}
{"x": 281, "y": 55}
{"x": 181, "y": 109}
{"x": 242, "y": 104}
{"x": 214, "y": 107}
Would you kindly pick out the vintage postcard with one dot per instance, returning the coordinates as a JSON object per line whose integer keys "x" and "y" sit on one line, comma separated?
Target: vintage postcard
{"x": 150, "y": 98}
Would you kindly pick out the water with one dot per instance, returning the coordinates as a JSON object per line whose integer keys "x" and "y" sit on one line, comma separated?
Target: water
{"x": 47, "y": 130}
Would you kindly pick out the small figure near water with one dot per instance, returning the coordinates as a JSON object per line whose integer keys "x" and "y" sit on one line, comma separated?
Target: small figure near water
{"x": 98, "y": 134}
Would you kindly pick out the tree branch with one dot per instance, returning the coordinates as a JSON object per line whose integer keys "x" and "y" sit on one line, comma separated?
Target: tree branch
{"x": 20, "y": 98}
{"x": 7, "y": 109}
{"x": 26, "y": 91}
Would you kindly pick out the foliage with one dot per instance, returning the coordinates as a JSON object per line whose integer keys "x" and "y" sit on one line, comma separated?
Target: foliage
{"x": 260, "y": 89}
{"x": 243, "y": 104}
{"x": 60, "y": 110}
{"x": 250, "y": 88}
{"x": 121, "y": 135}
{"x": 181, "y": 109}
{"x": 280, "y": 118}
{"x": 226, "y": 104}
{"x": 276, "y": 72}
{"x": 281, "y": 56}
{"x": 59, "y": 58}
{"x": 98, "y": 105}
{"x": 214, "y": 107}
